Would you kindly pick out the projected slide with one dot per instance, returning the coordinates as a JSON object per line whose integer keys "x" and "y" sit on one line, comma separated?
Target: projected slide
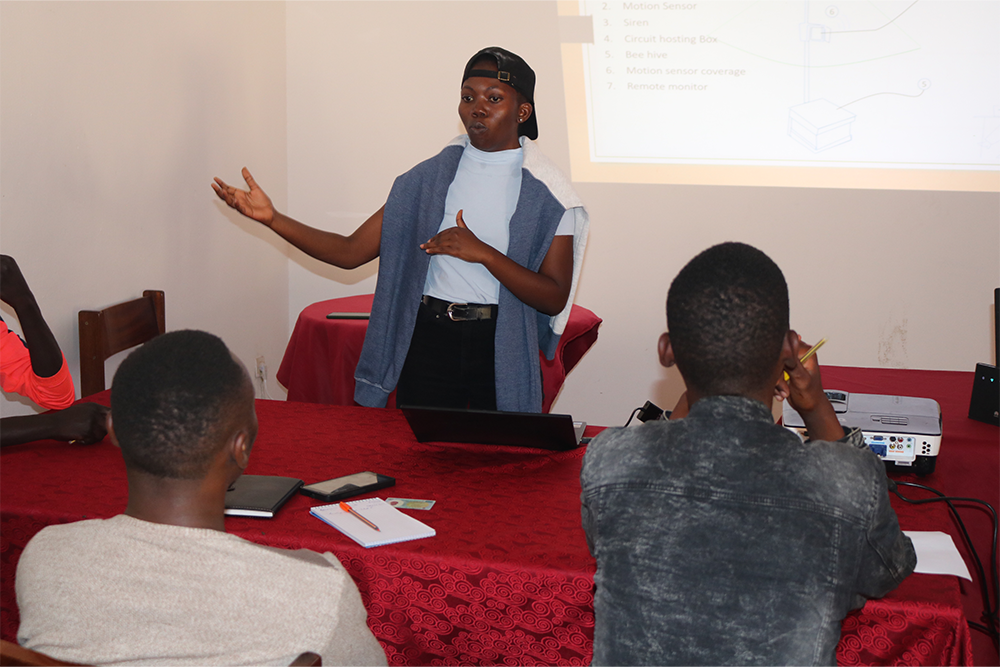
{"x": 844, "y": 85}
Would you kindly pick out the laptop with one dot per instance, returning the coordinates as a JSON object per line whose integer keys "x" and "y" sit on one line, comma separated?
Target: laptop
{"x": 488, "y": 427}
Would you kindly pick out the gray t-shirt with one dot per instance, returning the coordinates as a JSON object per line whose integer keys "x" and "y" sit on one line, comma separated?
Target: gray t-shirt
{"x": 126, "y": 590}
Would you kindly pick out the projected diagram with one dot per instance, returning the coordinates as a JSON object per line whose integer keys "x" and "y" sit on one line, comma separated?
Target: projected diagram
{"x": 891, "y": 84}
{"x": 821, "y": 124}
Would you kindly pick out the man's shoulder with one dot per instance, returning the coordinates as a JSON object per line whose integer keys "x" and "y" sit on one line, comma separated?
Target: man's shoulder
{"x": 614, "y": 451}
{"x": 82, "y": 537}
{"x": 772, "y": 458}
{"x": 841, "y": 469}
{"x": 619, "y": 436}
{"x": 57, "y": 547}
{"x": 268, "y": 560}
{"x": 295, "y": 558}
{"x": 55, "y": 535}
{"x": 848, "y": 454}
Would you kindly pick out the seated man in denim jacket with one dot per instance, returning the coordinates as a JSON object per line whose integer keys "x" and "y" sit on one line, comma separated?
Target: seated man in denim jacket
{"x": 720, "y": 537}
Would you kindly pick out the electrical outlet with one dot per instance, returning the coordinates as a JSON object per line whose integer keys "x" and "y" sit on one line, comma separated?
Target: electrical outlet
{"x": 261, "y": 368}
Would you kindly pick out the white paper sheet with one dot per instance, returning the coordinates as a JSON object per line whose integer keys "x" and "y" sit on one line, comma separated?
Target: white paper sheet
{"x": 937, "y": 553}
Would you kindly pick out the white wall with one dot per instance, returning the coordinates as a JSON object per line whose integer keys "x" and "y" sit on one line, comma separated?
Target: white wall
{"x": 373, "y": 90}
{"x": 115, "y": 116}
{"x": 113, "y": 119}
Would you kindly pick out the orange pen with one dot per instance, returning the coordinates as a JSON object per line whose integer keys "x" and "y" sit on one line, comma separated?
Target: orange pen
{"x": 351, "y": 510}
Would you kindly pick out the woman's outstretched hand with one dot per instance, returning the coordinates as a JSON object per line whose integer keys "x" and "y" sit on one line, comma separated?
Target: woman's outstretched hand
{"x": 252, "y": 203}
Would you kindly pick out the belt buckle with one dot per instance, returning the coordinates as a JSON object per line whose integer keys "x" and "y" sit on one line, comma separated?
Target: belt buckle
{"x": 451, "y": 312}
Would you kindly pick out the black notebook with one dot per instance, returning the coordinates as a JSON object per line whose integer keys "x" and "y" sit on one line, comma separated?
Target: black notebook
{"x": 259, "y": 495}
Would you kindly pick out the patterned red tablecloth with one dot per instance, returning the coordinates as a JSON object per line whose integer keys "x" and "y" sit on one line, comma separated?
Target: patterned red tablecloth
{"x": 967, "y": 466}
{"x": 321, "y": 355}
{"x": 508, "y": 578}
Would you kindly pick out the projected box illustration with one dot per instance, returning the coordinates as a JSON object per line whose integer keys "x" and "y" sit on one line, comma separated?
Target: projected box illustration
{"x": 819, "y": 125}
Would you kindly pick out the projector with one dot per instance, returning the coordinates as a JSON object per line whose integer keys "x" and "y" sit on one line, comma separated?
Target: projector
{"x": 904, "y": 432}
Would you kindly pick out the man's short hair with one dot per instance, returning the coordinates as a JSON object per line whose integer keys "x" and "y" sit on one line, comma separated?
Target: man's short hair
{"x": 727, "y": 313}
{"x": 170, "y": 399}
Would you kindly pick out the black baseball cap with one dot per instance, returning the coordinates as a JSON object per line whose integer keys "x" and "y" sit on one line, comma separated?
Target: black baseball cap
{"x": 512, "y": 70}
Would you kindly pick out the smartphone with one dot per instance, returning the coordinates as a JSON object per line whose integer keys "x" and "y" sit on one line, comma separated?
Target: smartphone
{"x": 347, "y": 486}
{"x": 348, "y": 316}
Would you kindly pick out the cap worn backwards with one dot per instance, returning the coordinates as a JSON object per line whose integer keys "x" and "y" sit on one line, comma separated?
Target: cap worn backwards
{"x": 512, "y": 70}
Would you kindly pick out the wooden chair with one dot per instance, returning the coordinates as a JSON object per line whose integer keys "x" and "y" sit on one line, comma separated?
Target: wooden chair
{"x": 13, "y": 654}
{"x": 116, "y": 328}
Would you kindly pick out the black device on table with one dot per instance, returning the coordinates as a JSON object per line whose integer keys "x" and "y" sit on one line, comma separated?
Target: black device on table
{"x": 339, "y": 488}
{"x": 539, "y": 430}
{"x": 984, "y": 405}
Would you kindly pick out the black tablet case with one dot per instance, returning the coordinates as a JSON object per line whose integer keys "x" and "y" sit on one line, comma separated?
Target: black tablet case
{"x": 259, "y": 495}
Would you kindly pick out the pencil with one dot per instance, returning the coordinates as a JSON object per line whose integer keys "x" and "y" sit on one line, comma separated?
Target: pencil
{"x": 351, "y": 510}
{"x": 811, "y": 352}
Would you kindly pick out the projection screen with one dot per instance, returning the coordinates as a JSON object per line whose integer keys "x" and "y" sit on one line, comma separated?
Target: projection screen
{"x": 835, "y": 93}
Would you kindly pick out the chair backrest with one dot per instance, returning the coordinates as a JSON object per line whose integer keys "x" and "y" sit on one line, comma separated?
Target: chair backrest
{"x": 13, "y": 654}
{"x": 116, "y": 328}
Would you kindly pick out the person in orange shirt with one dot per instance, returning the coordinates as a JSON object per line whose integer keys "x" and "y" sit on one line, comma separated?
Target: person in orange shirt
{"x": 36, "y": 368}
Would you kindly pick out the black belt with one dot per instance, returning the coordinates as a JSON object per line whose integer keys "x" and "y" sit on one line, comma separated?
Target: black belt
{"x": 460, "y": 312}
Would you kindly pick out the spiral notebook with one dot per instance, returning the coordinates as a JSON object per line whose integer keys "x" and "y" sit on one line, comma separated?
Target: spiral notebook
{"x": 394, "y": 526}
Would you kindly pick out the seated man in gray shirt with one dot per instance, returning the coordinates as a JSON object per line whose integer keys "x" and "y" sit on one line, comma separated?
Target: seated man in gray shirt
{"x": 164, "y": 583}
{"x": 720, "y": 537}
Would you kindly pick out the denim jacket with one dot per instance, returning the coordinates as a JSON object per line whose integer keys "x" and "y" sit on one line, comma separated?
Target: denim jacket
{"x": 721, "y": 538}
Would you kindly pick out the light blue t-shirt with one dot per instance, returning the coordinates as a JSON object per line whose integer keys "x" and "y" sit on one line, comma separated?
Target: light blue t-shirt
{"x": 485, "y": 189}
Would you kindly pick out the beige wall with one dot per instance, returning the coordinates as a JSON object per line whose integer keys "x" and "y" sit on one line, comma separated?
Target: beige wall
{"x": 115, "y": 116}
{"x": 113, "y": 119}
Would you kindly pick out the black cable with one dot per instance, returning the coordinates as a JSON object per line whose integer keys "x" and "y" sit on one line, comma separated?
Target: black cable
{"x": 990, "y": 606}
{"x": 948, "y": 499}
{"x": 634, "y": 413}
{"x": 648, "y": 412}
{"x": 990, "y": 611}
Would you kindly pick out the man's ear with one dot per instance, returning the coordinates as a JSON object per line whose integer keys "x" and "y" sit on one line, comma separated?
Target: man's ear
{"x": 111, "y": 431}
{"x": 239, "y": 447}
{"x": 666, "y": 350}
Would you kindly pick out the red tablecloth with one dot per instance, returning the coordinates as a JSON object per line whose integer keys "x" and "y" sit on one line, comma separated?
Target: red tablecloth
{"x": 507, "y": 579}
{"x": 968, "y": 464}
{"x": 321, "y": 355}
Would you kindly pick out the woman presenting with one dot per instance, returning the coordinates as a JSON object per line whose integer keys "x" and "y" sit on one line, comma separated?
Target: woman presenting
{"x": 480, "y": 251}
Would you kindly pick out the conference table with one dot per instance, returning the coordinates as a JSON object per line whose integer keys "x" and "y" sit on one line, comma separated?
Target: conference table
{"x": 322, "y": 353}
{"x": 507, "y": 579}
